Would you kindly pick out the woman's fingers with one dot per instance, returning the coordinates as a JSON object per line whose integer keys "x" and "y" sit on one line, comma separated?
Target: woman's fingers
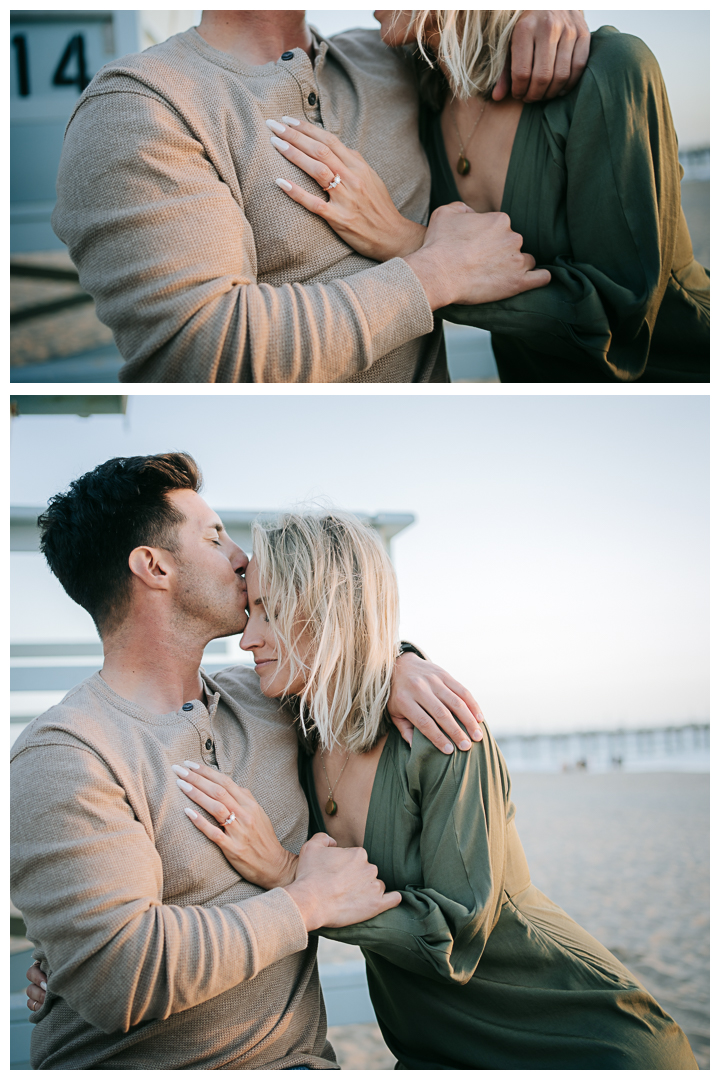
{"x": 36, "y": 975}
{"x": 316, "y": 143}
{"x": 322, "y": 169}
{"x": 211, "y": 831}
{"x": 213, "y": 783}
{"x": 299, "y": 195}
{"x": 36, "y": 998}
{"x": 37, "y": 988}
{"x": 221, "y": 811}
{"x": 318, "y": 134}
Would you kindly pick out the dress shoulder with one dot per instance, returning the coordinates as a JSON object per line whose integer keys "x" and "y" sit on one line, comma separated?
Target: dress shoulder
{"x": 428, "y": 769}
{"x": 619, "y": 59}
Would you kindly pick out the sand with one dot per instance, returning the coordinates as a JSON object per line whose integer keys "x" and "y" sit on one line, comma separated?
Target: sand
{"x": 627, "y": 855}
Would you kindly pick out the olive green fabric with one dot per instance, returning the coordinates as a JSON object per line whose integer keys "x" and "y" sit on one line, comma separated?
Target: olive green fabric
{"x": 593, "y": 186}
{"x": 477, "y": 968}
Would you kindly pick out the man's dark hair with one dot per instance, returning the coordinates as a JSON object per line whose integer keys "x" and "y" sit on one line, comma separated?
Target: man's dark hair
{"x": 88, "y": 531}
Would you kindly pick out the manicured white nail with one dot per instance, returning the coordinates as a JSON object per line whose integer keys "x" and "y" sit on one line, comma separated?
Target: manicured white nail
{"x": 274, "y": 126}
{"x": 190, "y": 813}
{"x": 180, "y": 771}
{"x": 280, "y": 144}
{"x": 291, "y": 120}
{"x": 183, "y": 785}
{"x": 191, "y": 764}
{"x": 44, "y": 986}
{"x": 283, "y": 184}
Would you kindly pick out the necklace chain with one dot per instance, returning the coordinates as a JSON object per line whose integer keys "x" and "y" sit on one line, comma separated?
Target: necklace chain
{"x": 331, "y": 807}
{"x": 463, "y": 165}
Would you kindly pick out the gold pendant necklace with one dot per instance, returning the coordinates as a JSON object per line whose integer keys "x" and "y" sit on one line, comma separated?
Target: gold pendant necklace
{"x": 331, "y": 807}
{"x": 463, "y": 165}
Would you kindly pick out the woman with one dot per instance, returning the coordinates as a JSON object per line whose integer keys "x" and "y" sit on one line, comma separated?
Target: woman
{"x": 590, "y": 180}
{"x": 476, "y": 968}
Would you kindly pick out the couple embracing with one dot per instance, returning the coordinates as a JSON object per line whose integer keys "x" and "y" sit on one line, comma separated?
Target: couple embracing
{"x": 179, "y": 840}
{"x": 249, "y": 202}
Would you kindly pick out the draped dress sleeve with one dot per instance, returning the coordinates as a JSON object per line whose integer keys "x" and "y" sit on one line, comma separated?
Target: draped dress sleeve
{"x": 441, "y": 840}
{"x": 593, "y": 186}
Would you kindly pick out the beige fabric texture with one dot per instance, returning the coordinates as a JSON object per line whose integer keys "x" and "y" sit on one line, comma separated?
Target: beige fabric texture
{"x": 159, "y": 955}
{"x": 202, "y": 267}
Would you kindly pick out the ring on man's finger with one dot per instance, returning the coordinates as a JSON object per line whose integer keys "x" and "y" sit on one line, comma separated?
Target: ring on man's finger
{"x": 229, "y": 820}
{"x": 334, "y": 184}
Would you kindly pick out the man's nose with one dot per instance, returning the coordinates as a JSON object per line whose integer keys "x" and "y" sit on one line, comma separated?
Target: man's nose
{"x": 238, "y": 559}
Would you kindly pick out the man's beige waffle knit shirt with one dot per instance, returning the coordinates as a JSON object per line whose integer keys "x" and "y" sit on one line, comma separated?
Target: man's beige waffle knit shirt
{"x": 203, "y": 268}
{"x": 159, "y": 955}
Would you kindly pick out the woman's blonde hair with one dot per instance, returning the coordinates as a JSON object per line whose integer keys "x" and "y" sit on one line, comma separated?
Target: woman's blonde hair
{"x": 326, "y": 579}
{"x": 471, "y": 45}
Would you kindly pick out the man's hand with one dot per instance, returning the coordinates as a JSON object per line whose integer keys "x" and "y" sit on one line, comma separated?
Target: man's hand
{"x": 336, "y": 886}
{"x": 548, "y": 54}
{"x": 470, "y": 258}
{"x": 425, "y": 697}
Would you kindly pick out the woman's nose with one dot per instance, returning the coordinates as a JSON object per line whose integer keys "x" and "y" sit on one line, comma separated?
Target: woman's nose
{"x": 250, "y": 638}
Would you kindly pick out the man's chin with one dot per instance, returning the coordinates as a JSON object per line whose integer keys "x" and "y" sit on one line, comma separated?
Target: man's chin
{"x": 231, "y": 630}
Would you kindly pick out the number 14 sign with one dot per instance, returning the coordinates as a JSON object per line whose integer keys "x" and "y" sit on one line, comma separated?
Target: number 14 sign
{"x": 54, "y": 55}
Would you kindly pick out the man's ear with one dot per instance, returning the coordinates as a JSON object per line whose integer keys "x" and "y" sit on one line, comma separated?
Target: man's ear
{"x": 153, "y": 566}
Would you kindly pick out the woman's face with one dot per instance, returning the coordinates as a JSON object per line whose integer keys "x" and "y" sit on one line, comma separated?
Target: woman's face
{"x": 259, "y": 639}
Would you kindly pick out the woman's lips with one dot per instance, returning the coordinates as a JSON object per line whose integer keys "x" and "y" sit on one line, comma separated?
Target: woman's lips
{"x": 259, "y": 664}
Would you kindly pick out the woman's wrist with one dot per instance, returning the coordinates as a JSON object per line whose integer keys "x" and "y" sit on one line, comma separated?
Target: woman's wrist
{"x": 286, "y": 870}
{"x": 411, "y": 238}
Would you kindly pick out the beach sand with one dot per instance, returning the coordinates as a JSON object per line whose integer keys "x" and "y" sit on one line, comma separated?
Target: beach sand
{"x": 627, "y": 855}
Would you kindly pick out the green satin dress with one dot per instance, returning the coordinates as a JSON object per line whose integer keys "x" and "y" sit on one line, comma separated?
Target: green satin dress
{"x": 593, "y": 186}
{"x": 477, "y": 969}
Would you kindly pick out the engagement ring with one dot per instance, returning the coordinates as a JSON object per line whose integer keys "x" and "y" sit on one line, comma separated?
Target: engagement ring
{"x": 334, "y": 184}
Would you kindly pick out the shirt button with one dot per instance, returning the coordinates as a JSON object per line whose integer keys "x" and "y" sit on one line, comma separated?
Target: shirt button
{"x": 287, "y": 56}
{"x": 312, "y": 99}
{"x": 208, "y": 744}
{"x": 188, "y": 706}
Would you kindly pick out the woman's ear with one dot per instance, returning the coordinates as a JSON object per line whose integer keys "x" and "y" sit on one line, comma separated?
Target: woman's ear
{"x": 153, "y": 566}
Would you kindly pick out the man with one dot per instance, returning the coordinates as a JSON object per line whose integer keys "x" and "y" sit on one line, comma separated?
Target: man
{"x": 202, "y": 267}
{"x": 155, "y": 952}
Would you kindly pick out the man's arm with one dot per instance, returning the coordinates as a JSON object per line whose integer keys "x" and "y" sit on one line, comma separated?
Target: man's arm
{"x": 88, "y": 880}
{"x": 166, "y": 250}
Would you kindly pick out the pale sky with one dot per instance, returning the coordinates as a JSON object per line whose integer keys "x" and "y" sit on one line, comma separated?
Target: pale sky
{"x": 679, "y": 39}
{"x": 558, "y": 565}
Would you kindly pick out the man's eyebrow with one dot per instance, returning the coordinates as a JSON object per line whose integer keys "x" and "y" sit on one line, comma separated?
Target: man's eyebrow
{"x": 217, "y": 525}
